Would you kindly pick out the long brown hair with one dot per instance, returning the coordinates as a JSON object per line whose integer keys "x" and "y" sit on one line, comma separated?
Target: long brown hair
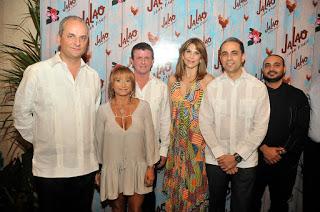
{"x": 202, "y": 67}
{"x": 120, "y": 70}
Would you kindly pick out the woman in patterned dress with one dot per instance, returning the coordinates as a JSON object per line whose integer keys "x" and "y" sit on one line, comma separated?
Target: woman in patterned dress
{"x": 185, "y": 181}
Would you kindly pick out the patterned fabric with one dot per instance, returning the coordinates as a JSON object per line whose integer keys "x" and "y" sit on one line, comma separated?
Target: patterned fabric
{"x": 185, "y": 180}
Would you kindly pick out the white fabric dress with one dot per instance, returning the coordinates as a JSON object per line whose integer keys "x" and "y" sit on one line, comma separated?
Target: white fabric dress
{"x": 125, "y": 154}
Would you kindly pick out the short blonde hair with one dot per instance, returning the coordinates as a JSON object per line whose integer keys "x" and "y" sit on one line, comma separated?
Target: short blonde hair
{"x": 121, "y": 70}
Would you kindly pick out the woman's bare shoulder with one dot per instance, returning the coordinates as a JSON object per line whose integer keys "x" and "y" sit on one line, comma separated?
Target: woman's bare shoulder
{"x": 172, "y": 79}
{"x": 206, "y": 80}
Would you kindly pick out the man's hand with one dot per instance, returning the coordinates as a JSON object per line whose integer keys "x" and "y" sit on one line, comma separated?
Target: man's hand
{"x": 232, "y": 171}
{"x": 162, "y": 162}
{"x": 227, "y": 163}
{"x": 272, "y": 155}
{"x": 149, "y": 177}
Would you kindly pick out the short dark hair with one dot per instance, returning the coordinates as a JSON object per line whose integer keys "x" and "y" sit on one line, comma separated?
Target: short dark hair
{"x": 142, "y": 46}
{"x": 71, "y": 17}
{"x": 233, "y": 39}
{"x": 275, "y": 55}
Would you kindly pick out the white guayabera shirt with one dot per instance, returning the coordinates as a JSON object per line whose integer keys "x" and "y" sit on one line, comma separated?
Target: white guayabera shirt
{"x": 155, "y": 92}
{"x": 234, "y": 118}
{"x": 56, "y": 113}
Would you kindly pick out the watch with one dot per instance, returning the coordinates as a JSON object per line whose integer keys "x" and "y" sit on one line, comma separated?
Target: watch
{"x": 237, "y": 157}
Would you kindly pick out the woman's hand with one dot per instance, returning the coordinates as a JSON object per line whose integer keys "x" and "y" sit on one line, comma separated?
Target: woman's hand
{"x": 97, "y": 178}
{"x": 149, "y": 177}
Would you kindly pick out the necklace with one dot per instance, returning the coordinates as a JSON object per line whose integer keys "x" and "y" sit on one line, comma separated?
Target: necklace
{"x": 122, "y": 112}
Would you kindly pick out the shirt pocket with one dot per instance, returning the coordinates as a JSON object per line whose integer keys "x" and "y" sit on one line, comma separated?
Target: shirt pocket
{"x": 247, "y": 108}
{"x": 44, "y": 107}
{"x": 44, "y": 97}
{"x": 88, "y": 96}
{"x": 155, "y": 102}
{"x": 220, "y": 107}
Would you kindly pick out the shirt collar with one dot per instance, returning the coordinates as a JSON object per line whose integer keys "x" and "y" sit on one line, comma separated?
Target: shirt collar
{"x": 57, "y": 59}
{"x": 244, "y": 75}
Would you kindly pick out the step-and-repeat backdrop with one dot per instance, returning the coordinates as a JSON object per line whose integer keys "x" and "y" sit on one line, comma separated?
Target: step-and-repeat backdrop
{"x": 286, "y": 27}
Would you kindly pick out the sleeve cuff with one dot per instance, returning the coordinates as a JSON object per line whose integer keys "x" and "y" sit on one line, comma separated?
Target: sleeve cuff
{"x": 163, "y": 151}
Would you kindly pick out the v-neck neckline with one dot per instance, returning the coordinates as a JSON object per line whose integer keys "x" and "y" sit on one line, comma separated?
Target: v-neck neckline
{"x": 114, "y": 117}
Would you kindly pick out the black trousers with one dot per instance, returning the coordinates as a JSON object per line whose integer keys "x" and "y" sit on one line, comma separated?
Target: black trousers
{"x": 311, "y": 176}
{"x": 65, "y": 194}
{"x": 280, "y": 178}
{"x": 149, "y": 202}
{"x": 241, "y": 188}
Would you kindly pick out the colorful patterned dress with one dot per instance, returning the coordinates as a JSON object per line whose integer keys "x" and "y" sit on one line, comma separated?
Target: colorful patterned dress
{"x": 185, "y": 180}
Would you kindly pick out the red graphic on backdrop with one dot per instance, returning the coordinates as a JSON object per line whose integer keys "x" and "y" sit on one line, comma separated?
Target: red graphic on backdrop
{"x": 268, "y": 52}
{"x": 297, "y": 39}
{"x": 101, "y": 38}
{"x": 223, "y": 21}
{"x": 239, "y": 3}
{"x": 206, "y": 40}
{"x": 177, "y": 33}
{"x": 115, "y": 2}
{"x": 300, "y": 62}
{"x": 116, "y": 65}
{"x": 168, "y": 20}
{"x": 68, "y": 5}
{"x": 93, "y": 15}
{"x": 152, "y": 38}
{"x": 308, "y": 77}
{"x": 128, "y": 37}
{"x": 198, "y": 19}
{"x": 245, "y": 17}
{"x": 134, "y": 10}
{"x": 108, "y": 52}
{"x": 272, "y": 25}
{"x": 291, "y": 6}
{"x": 314, "y": 3}
{"x": 254, "y": 36}
{"x": 154, "y": 4}
{"x": 52, "y": 15}
{"x": 265, "y": 5}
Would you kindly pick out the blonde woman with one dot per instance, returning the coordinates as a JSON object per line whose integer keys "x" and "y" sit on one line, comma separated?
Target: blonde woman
{"x": 125, "y": 144}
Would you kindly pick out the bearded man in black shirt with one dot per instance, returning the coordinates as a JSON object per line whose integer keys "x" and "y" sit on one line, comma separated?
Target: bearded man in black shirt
{"x": 280, "y": 151}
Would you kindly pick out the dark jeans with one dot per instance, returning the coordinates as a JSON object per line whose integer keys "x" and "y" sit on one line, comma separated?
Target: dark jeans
{"x": 65, "y": 194}
{"x": 241, "y": 188}
{"x": 280, "y": 178}
{"x": 311, "y": 176}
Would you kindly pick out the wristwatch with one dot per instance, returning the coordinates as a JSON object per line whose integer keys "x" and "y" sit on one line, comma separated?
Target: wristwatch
{"x": 237, "y": 157}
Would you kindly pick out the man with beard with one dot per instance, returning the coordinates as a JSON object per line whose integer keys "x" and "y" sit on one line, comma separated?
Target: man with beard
{"x": 280, "y": 151}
